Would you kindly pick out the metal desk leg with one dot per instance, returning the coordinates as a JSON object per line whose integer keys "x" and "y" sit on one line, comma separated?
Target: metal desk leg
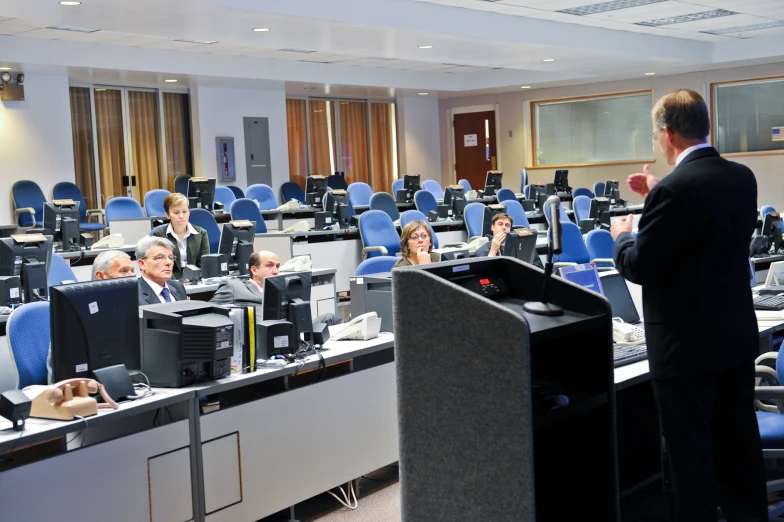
{"x": 197, "y": 467}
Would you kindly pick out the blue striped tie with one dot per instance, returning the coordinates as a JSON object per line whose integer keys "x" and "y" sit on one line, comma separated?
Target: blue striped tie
{"x": 166, "y": 295}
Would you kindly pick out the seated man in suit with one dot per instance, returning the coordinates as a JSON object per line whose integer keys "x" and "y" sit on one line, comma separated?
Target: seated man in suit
{"x": 499, "y": 227}
{"x": 249, "y": 292}
{"x": 155, "y": 256}
{"x": 112, "y": 264}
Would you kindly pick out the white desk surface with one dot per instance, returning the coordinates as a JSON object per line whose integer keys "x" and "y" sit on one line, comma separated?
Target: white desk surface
{"x": 210, "y": 287}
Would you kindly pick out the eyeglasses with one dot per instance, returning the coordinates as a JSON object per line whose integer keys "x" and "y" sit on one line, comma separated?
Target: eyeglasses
{"x": 161, "y": 257}
{"x": 417, "y": 238}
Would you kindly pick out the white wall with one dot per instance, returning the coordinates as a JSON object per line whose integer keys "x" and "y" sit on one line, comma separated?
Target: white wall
{"x": 218, "y": 112}
{"x": 35, "y": 138}
{"x": 419, "y": 138}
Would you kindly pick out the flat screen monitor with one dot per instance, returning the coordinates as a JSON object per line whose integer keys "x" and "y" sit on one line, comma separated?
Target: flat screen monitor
{"x": 236, "y": 242}
{"x": 493, "y": 182}
{"x": 617, "y": 292}
{"x": 561, "y": 181}
{"x": 454, "y": 197}
{"x": 612, "y": 192}
{"x": 315, "y": 187}
{"x": 772, "y": 228}
{"x": 600, "y": 211}
{"x": 94, "y": 324}
{"x": 201, "y": 192}
{"x": 336, "y": 202}
{"x": 520, "y": 243}
{"x": 287, "y": 298}
{"x": 28, "y": 256}
{"x": 411, "y": 182}
{"x": 585, "y": 275}
{"x": 61, "y": 219}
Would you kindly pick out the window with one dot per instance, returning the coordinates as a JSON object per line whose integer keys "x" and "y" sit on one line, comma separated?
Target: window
{"x": 746, "y": 114}
{"x": 593, "y": 130}
{"x": 177, "y": 129}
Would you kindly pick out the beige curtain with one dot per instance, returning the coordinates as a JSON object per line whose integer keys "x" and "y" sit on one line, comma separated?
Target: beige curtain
{"x": 322, "y": 136}
{"x": 298, "y": 145}
{"x": 111, "y": 144}
{"x": 354, "y": 146}
{"x": 145, "y": 141}
{"x": 382, "y": 130}
{"x": 82, "y": 125}
{"x": 176, "y": 119}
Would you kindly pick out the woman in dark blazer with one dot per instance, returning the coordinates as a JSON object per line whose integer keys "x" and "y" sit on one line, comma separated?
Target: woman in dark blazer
{"x": 191, "y": 241}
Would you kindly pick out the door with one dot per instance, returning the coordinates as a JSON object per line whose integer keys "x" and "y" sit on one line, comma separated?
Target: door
{"x": 475, "y": 148}
{"x": 257, "y": 151}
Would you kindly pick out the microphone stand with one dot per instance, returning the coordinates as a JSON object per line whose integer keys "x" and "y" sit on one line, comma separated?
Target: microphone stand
{"x": 543, "y": 307}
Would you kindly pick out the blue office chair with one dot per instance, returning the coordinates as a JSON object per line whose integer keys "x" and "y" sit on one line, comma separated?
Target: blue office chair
{"x": 378, "y": 233}
{"x": 523, "y": 180}
{"x": 465, "y": 184}
{"x": 505, "y": 194}
{"x": 598, "y": 189}
{"x": 434, "y": 187}
{"x": 582, "y": 191}
{"x": 204, "y": 219}
{"x": 600, "y": 245}
{"x": 152, "y": 232}
{"x": 516, "y": 212}
{"x": 574, "y": 250}
{"x": 414, "y": 215}
{"x": 337, "y": 182}
{"x": 527, "y": 191}
{"x": 68, "y": 190}
{"x": 59, "y": 271}
{"x": 582, "y": 207}
{"x": 181, "y": 184}
{"x": 383, "y": 201}
{"x": 264, "y": 195}
{"x": 561, "y": 212}
{"x": 766, "y": 209}
{"x": 425, "y": 201}
{"x": 397, "y": 185}
{"x": 359, "y": 193}
{"x": 474, "y": 216}
{"x": 238, "y": 193}
{"x": 245, "y": 208}
{"x": 122, "y": 208}
{"x": 225, "y": 196}
{"x": 376, "y": 265}
{"x": 770, "y": 418}
{"x": 291, "y": 190}
{"x": 29, "y": 338}
{"x": 153, "y": 202}
{"x": 28, "y": 195}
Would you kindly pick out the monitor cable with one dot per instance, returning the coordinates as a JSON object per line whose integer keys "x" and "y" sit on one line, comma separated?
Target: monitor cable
{"x": 346, "y": 502}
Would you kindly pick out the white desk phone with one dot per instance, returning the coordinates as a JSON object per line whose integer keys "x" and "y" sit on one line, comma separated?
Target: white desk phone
{"x": 110, "y": 241}
{"x": 296, "y": 264}
{"x": 364, "y": 327}
{"x": 627, "y": 333}
{"x": 292, "y": 204}
{"x": 299, "y": 226}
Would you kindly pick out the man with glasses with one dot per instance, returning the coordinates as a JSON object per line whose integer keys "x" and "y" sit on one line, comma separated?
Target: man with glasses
{"x": 156, "y": 258}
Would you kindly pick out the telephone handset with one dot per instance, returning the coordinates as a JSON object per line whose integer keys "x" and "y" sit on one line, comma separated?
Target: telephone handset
{"x": 475, "y": 243}
{"x": 293, "y": 204}
{"x": 296, "y": 264}
{"x": 110, "y": 241}
{"x": 627, "y": 333}
{"x": 299, "y": 226}
{"x": 69, "y": 398}
{"x": 364, "y": 327}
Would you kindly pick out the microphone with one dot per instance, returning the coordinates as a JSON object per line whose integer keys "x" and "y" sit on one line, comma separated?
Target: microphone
{"x": 543, "y": 307}
{"x": 555, "y": 224}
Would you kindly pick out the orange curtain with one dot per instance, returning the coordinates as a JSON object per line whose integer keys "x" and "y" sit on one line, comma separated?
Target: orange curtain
{"x": 382, "y": 130}
{"x": 298, "y": 141}
{"x": 322, "y": 136}
{"x": 177, "y": 126}
{"x": 353, "y": 137}
{"x": 82, "y": 128}
{"x": 111, "y": 143}
{"x": 144, "y": 120}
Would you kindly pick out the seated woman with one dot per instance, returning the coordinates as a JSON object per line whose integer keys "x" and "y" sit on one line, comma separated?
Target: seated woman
{"x": 416, "y": 245}
{"x": 191, "y": 241}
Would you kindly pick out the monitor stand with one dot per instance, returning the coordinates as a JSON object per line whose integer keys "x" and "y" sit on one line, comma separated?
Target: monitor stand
{"x": 34, "y": 278}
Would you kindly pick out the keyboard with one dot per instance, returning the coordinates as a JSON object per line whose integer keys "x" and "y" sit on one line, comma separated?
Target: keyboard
{"x": 624, "y": 354}
{"x": 769, "y": 302}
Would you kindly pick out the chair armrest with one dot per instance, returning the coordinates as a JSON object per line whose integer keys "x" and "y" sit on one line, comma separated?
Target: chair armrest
{"x": 369, "y": 249}
{"x": 98, "y": 213}
{"x": 603, "y": 260}
{"x": 769, "y": 356}
{"x": 24, "y": 210}
{"x": 769, "y": 392}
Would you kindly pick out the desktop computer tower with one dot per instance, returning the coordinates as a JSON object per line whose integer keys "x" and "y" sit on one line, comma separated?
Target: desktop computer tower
{"x": 373, "y": 293}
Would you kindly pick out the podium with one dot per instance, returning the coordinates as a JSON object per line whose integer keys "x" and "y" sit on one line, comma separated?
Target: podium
{"x": 486, "y": 432}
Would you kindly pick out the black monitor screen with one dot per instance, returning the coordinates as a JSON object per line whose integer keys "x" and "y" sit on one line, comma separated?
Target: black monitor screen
{"x": 616, "y": 291}
{"x": 520, "y": 243}
{"x": 287, "y": 298}
{"x": 451, "y": 192}
{"x": 237, "y": 243}
{"x": 13, "y": 254}
{"x": 201, "y": 192}
{"x": 411, "y": 182}
{"x": 561, "y": 181}
{"x": 600, "y": 211}
{"x": 94, "y": 325}
{"x": 493, "y": 182}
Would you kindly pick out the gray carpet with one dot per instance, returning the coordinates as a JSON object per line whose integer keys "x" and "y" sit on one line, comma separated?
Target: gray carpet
{"x": 383, "y": 505}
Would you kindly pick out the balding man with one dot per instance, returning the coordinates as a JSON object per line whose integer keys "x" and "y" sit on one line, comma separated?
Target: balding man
{"x": 112, "y": 264}
{"x": 249, "y": 292}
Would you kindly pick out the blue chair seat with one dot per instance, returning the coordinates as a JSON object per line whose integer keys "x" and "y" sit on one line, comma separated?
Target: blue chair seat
{"x": 771, "y": 428}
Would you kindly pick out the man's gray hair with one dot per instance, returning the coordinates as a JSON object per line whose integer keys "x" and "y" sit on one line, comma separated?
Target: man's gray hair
{"x": 105, "y": 260}
{"x": 146, "y": 243}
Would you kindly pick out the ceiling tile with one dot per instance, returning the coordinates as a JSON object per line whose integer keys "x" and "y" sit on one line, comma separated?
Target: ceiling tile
{"x": 173, "y": 45}
{"x": 11, "y": 28}
{"x": 72, "y": 36}
{"x": 136, "y": 41}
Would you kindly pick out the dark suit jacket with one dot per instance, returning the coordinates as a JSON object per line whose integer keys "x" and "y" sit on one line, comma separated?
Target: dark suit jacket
{"x": 240, "y": 292}
{"x": 484, "y": 251}
{"x": 691, "y": 256}
{"x": 147, "y": 295}
{"x": 198, "y": 245}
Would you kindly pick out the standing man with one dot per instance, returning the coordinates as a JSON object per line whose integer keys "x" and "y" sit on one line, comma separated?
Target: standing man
{"x": 691, "y": 258}
{"x": 155, "y": 256}
{"x": 249, "y": 292}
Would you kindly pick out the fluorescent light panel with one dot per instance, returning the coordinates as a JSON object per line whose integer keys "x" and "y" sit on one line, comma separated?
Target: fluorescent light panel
{"x": 745, "y": 28}
{"x": 189, "y": 40}
{"x": 383, "y": 58}
{"x": 73, "y": 28}
{"x": 694, "y": 17}
{"x": 603, "y": 7}
{"x": 306, "y": 51}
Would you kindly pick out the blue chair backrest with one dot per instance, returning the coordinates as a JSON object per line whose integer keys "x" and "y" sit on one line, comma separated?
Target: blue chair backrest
{"x": 397, "y": 185}
{"x": 27, "y": 193}
{"x": 598, "y": 189}
{"x": 359, "y": 193}
{"x": 59, "y": 271}
{"x": 766, "y": 209}
{"x": 224, "y": 195}
{"x": 385, "y": 202}
{"x": 204, "y": 219}
{"x": 291, "y": 190}
{"x": 425, "y": 201}
{"x": 152, "y": 232}
{"x": 516, "y": 212}
{"x": 465, "y": 184}
{"x": 245, "y": 208}
{"x": 582, "y": 191}
{"x": 600, "y": 244}
{"x": 582, "y": 207}
{"x": 505, "y": 194}
{"x": 122, "y": 208}
{"x": 68, "y": 190}
{"x": 523, "y": 179}
{"x": 29, "y": 337}
{"x": 561, "y": 213}
{"x": 264, "y": 195}
{"x": 153, "y": 202}
{"x": 527, "y": 191}
{"x": 413, "y": 215}
{"x": 376, "y": 265}
{"x": 238, "y": 193}
{"x": 376, "y": 229}
{"x": 474, "y": 215}
{"x": 573, "y": 246}
{"x": 434, "y": 188}
{"x": 181, "y": 184}
{"x": 337, "y": 182}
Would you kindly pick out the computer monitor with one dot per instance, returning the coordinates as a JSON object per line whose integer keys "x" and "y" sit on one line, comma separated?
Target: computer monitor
{"x": 28, "y": 256}
{"x": 94, "y": 324}
{"x": 201, "y": 192}
{"x": 772, "y": 228}
{"x": 287, "y": 298}
{"x": 493, "y": 182}
{"x": 454, "y": 196}
{"x": 617, "y": 292}
{"x": 538, "y": 194}
{"x": 236, "y": 242}
{"x": 600, "y": 212}
{"x": 561, "y": 181}
{"x": 585, "y": 275}
{"x": 336, "y": 202}
{"x": 61, "y": 219}
{"x": 612, "y": 192}
{"x": 411, "y": 182}
{"x": 521, "y": 244}
{"x": 315, "y": 188}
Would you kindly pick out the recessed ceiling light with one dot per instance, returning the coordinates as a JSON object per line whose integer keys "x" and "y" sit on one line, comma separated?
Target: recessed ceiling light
{"x": 170, "y": 80}
{"x": 72, "y": 28}
{"x": 289, "y": 50}
{"x": 189, "y": 40}
{"x": 423, "y": 94}
{"x": 261, "y": 30}
{"x": 70, "y": 3}
{"x": 525, "y": 86}
{"x": 745, "y": 28}
{"x": 425, "y": 46}
{"x": 603, "y": 7}
{"x": 100, "y": 90}
{"x": 549, "y": 60}
{"x": 704, "y": 15}
{"x": 649, "y": 74}
{"x": 5, "y": 68}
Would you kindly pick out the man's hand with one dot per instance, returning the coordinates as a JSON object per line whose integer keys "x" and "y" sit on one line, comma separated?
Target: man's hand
{"x": 423, "y": 256}
{"x": 643, "y": 183}
{"x": 495, "y": 244}
{"x": 621, "y": 225}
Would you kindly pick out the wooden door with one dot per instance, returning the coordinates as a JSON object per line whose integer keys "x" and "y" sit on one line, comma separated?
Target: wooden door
{"x": 475, "y": 149}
